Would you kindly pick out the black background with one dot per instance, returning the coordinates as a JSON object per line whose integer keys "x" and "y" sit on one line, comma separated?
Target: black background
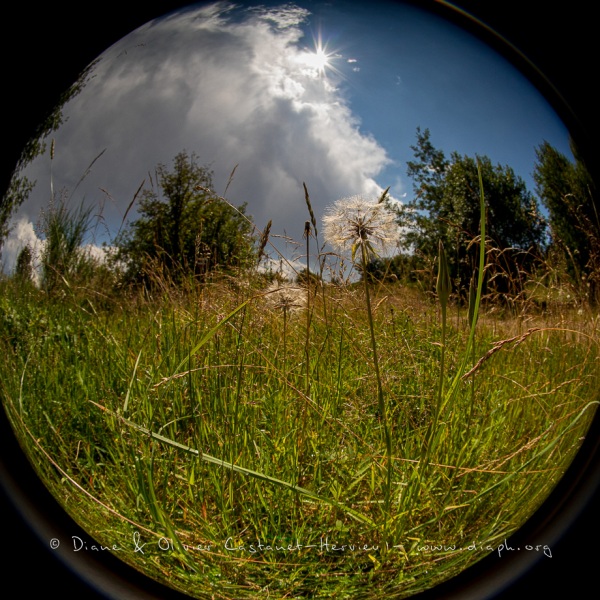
{"x": 43, "y": 51}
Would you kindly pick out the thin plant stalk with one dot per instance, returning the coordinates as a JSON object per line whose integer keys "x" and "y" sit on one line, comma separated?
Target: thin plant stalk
{"x": 443, "y": 290}
{"x": 380, "y": 399}
{"x": 307, "y": 234}
{"x": 472, "y": 319}
{"x": 302, "y": 434}
{"x": 360, "y": 223}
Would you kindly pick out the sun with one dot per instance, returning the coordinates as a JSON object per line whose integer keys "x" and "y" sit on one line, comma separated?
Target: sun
{"x": 317, "y": 60}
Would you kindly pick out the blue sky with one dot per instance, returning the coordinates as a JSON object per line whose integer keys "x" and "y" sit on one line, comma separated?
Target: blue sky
{"x": 427, "y": 72}
{"x": 247, "y": 86}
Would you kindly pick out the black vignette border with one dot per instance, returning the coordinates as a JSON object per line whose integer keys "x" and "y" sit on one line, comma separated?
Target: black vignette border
{"x": 50, "y": 44}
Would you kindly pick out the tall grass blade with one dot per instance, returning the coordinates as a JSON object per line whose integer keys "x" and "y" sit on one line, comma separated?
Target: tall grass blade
{"x": 227, "y": 465}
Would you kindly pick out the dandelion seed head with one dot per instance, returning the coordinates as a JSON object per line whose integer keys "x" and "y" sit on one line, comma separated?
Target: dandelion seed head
{"x": 355, "y": 221}
{"x": 285, "y": 297}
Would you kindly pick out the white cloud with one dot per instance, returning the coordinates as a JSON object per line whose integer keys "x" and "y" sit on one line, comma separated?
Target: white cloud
{"x": 235, "y": 92}
{"x": 22, "y": 234}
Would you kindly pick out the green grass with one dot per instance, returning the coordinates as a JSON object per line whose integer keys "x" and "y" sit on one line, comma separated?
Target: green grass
{"x": 185, "y": 421}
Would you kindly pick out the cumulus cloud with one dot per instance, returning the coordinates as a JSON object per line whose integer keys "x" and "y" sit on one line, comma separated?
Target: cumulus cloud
{"x": 23, "y": 234}
{"x": 231, "y": 85}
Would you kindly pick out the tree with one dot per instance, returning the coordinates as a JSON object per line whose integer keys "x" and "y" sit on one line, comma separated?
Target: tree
{"x": 567, "y": 191}
{"x": 446, "y": 208}
{"x": 184, "y": 228}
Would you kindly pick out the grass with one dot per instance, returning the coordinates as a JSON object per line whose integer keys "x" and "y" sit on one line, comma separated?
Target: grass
{"x": 185, "y": 422}
{"x": 235, "y": 439}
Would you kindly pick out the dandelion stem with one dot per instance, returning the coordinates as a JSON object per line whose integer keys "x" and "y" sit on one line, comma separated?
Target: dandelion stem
{"x": 381, "y": 401}
{"x": 361, "y": 224}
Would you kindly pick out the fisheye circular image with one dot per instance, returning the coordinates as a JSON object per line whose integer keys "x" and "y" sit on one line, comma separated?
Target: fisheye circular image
{"x": 300, "y": 300}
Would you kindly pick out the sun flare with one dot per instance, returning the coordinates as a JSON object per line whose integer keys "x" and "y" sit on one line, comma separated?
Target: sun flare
{"x": 316, "y": 61}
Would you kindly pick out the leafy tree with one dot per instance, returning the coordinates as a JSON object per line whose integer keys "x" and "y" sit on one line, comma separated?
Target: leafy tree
{"x": 446, "y": 208}
{"x": 568, "y": 192}
{"x": 184, "y": 228}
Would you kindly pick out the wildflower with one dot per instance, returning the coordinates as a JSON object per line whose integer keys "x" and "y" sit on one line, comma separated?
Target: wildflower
{"x": 287, "y": 298}
{"x": 358, "y": 222}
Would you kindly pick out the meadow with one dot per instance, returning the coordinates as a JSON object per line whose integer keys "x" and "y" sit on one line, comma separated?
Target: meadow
{"x": 242, "y": 438}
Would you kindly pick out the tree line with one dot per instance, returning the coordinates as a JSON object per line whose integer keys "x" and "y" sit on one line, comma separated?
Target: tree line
{"x": 521, "y": 241}
{"x": 183, "y": 229}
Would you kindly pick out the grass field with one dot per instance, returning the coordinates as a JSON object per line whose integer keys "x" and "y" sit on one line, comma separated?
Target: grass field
{"x": 234, "y": 431}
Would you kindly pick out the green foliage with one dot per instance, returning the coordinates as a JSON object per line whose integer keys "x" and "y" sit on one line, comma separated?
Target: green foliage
{"x": 183, "y": 228}
{"x": 446, "y": 208}
{"x": 568, "y": 192}
{"x": 184, "y": 424}
{"x": 220, "y": 443}
{"x": 24, "y": 266}
{"x": 306, "y": 276}
{"x": 402, "y": 267}
{"x": 63, "y": 257}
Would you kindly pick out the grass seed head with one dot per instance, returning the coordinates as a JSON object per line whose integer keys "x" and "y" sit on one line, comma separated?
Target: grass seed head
{"x": 264, "y": 238}
{"x": 313, "y": 220}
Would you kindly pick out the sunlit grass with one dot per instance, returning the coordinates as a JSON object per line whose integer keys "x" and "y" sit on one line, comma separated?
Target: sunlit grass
{"x": 184, "y": 423}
